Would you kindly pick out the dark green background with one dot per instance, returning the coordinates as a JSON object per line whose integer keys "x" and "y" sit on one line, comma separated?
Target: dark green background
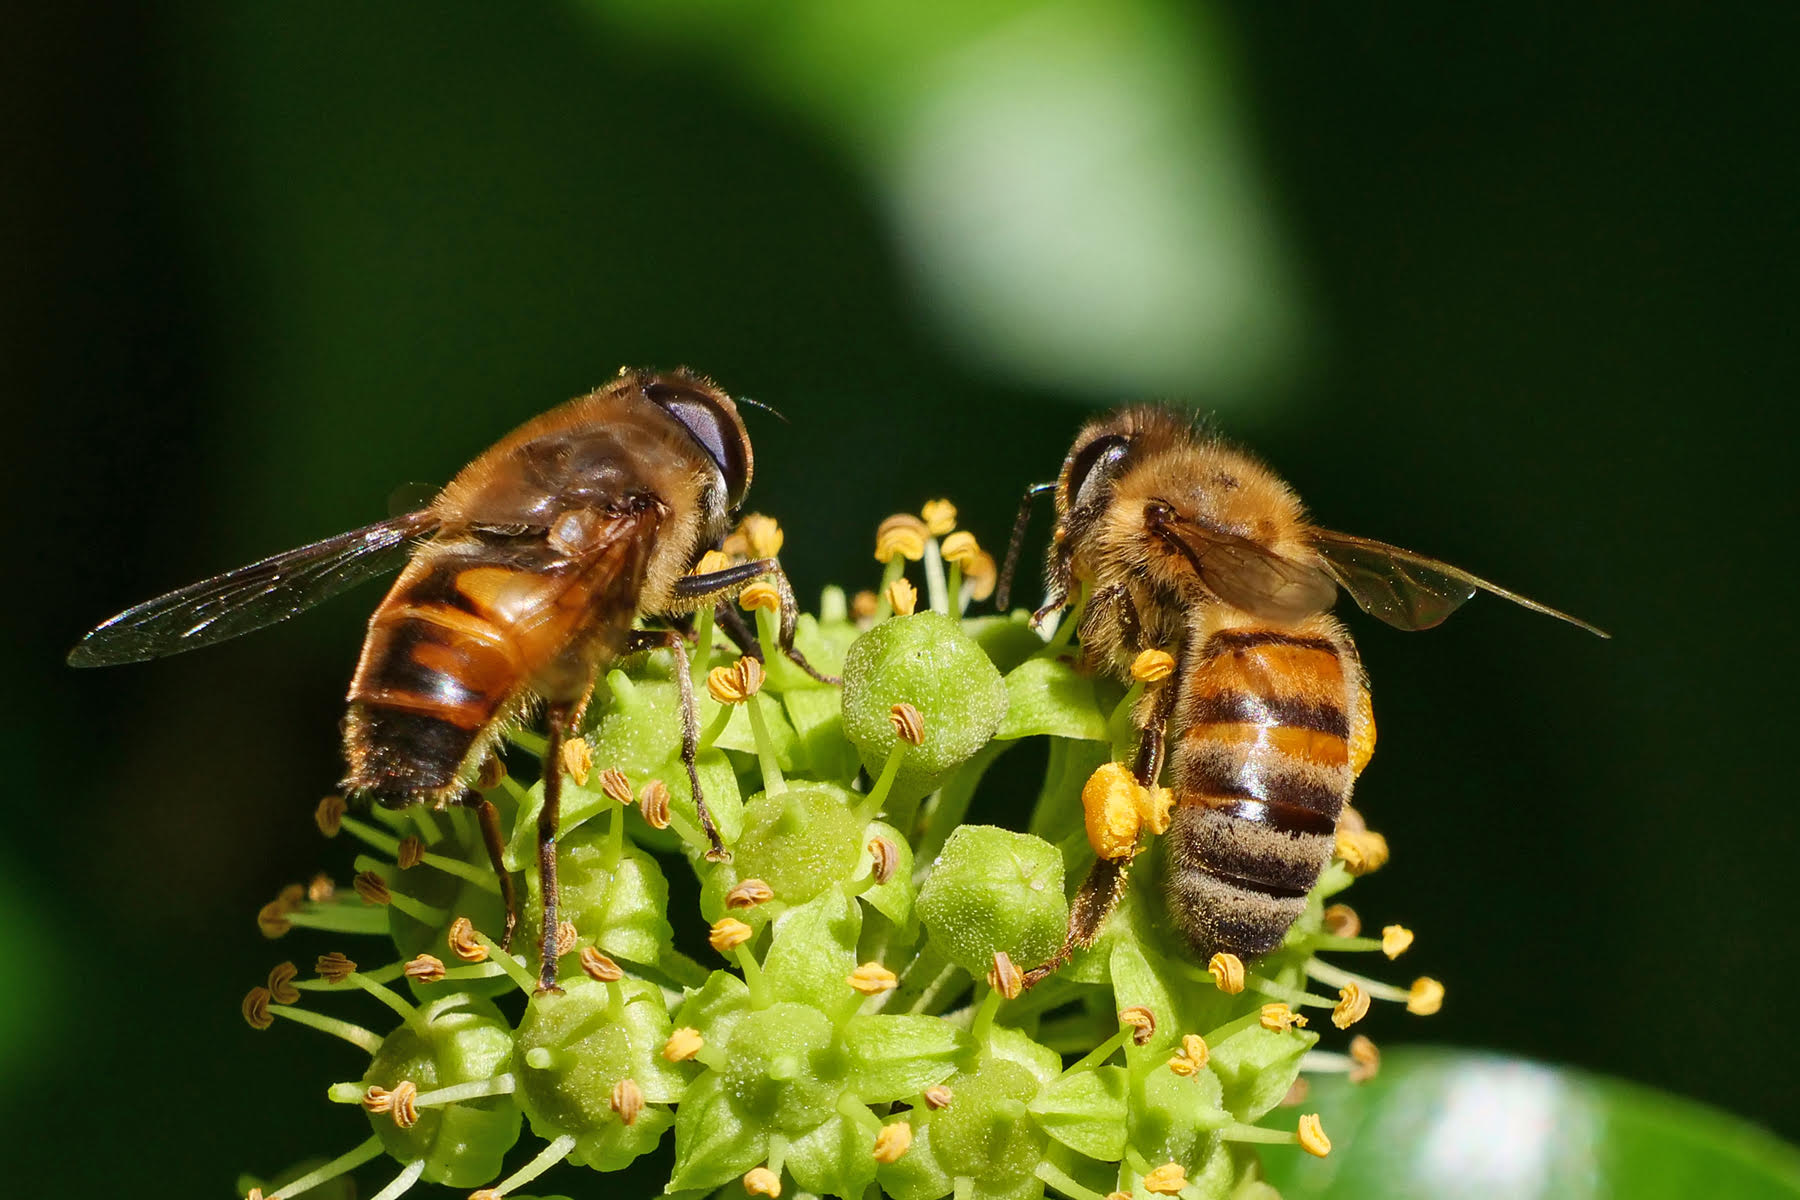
{"x": 267, "y": 262}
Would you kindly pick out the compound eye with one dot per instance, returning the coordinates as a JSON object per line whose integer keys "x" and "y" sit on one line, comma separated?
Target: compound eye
{"x": 715, "y": 427}
{"x": 1095, "y": 468}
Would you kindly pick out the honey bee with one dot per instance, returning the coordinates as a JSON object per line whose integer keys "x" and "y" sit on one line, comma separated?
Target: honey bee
{"x": 1182, "y": 543}
{"x": 522, "y": 581}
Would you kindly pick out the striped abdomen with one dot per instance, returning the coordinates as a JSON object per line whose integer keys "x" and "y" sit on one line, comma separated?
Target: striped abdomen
{"x": 1260, "y": 768}
{"x": 471, "y": 631}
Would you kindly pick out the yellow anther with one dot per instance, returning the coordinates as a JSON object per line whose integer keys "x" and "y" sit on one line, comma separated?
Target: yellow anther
{"x": 653, "y": 803}
{"x": 425, "y": 968}
{"x": 940, "y": 517}
{"x": 760, "y": 1181}
{"x": 908, "y": 725}
{"x": 712, "y": 562}
{"x": 627, "y": 1101}
{"x": 1227, "y": 971}
{"x": 1279, "y": 1017}
{"x": 683, "y": 1044}
{"x": 1193, "y": 1048}
{"x": 728, "y": 933}
{"x": 1341, "y": 921}
{"x": 1142, "y": 1022}
{"x": 410, "y": 853}
{"x": 884, "y": 857}
{"x": 281, "y": 983}
{"x": 871, "y": 979}
{"x": 272, "y": 919}
{"x": 901, "y": 534}
{"x": 401, "y": 1103}
{"x": 1426, "y": 996}
{"x": 1166, "y": 1180}
{"x": 463, "y": 943}
{"x": 600, "y": 967}
{"x": 1004, "y": 977}
{"x": 578, "y": 760}
{"x": 493, "y": 770}
{"x": 334, "y": 967}
{"x": 329, "y": 816}
{"x": 320, "y": 888}
{"x": 864, "y": 604}
{"x": 1183, "y": 1066}
{"x": 615, "y": 785}
{"x": 737, "y": 682}
{"x": 938, "y": 1096}
{"x": 1312, "y": 1136}
{"x": 1109, "y": 802}
{"x": 567, "y": 938}
{"x": 1361, "y": 851}
{"x": 962, "y": 549}
{"x": 1362, "y": 746}
{"x": 1152, "y": 665}
{"x": 1352, "y": 1006}
{"x": 893, "y": 1142}
{"x": 372, "y": 888}
{"x": 762, "y": 535}
{"x": 748, "y": 894}
{"x": 1365, "y": 1059}
{"x": 1395, "y": 939}
{"x": 256, "y": 1008}
{"x": 760, "y": 595}
{"x": 981, "y": 576}
{"x": 1118, "y": 1196}
{"x": 903, "y": 597}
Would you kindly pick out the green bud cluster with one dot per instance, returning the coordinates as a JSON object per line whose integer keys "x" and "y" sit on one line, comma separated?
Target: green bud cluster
{"x": 853, "y": 984}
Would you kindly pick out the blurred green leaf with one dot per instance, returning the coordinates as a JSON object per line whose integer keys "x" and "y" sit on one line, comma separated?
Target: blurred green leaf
{"x": 1439, "y": 1123}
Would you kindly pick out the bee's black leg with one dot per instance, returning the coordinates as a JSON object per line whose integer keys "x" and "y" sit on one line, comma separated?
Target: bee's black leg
{"x": 489, "y": 816}
{"x": 556, "y": 719}
{"x": 717, "y": 587}
{"x": 650, "y": 639}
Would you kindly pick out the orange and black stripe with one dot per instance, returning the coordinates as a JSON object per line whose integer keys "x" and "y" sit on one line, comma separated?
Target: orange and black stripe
{"x": 1261, "y": 771}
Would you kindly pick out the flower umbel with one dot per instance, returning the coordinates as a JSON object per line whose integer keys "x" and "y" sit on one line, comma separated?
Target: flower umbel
{"x": 854, "y": 1013}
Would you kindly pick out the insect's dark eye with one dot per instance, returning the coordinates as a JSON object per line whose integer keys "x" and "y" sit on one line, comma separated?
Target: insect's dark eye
{"x": 1095, "y": 468}
{"x": 714, "y": 426}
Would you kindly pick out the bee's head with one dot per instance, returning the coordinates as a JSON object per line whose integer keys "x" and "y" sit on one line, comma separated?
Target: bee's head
{"x": 711, "y": 420}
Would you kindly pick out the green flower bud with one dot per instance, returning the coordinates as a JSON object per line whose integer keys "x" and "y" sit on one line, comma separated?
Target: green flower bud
{"x": 801, "y": 841}
{"x": 927, "y": 661}
{"x": 786, "y": 1067}
{"x": 458, "y": 1039}
{"x": 994, "y": 890}
{"x": 988, "y": 1134}
{"x": 572, "y": 1050}
{"x": 614, "y": 893}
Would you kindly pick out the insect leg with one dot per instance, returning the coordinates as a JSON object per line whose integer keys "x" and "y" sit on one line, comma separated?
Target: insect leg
{"x": 650, "y": 639}
{"x": 556, "y": 719}
{"x": 489, "y": 816}
{"x": 1105, "y": 883}
{"x": 1003, "y": 592}
{"x": 717, "y": 586}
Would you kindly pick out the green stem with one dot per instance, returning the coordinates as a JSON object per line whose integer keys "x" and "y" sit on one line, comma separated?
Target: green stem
{"x": 341, "y": 1165}
{"x": 773, "y": 783}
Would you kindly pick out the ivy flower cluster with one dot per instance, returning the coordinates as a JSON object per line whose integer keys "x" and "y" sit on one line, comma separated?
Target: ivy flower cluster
{"x": 846, "y": 1009}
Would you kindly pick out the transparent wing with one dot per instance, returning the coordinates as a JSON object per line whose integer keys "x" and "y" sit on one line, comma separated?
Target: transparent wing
{"x": 1408, "y": 590}
{"x": 251, "y": 597}
{"x": 1249, "y": 576}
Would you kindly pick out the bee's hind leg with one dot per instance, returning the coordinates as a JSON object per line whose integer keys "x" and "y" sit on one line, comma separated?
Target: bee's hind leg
{"x": 556, "y": 721}
{"x": 489, "y": 818}
{"x": 653, "y": 639}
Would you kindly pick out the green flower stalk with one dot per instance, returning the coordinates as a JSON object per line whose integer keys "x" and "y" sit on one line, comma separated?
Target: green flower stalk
{"x": 854, "y": 1017}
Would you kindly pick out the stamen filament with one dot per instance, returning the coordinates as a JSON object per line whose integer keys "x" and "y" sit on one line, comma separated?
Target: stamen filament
{"x": 1326, "y": 1061}
{"x": 711, "y": 733}
{"x": 1055, "y": 1178}
{"x": 935, "y": 591}
{"x": 499, "y": 1085}
{"x": 1256, "y": 1133}
{"x": 546, "y": 1158}
{"x": 753, "y": 976}
{"x": 767, "y": 635}
{"x": 865, "y": 812}
{"x": 529, "y": 742}
{"x": 700, "y": 662}
{"x": 363, "y": 1039}
{"x": 342, "y": 1164}
{"x": 1099, "y": 1054}
{"x": 1331, "y": 942}
{"x": 418, "y": 910}
{"x": 773, "y": 783}
{"x": 386, "y": 995}
{"x": 892, "y": 570}
{"x": 506, "y": 962}
{"x": 402, "y": 1182}
{"x": 1280, "y": 991}
{"x": 341, "y": 918}
{"x": 984, "y": 1015}
{"x": 428, "y": 828}
{"x": 1325, "y": 973}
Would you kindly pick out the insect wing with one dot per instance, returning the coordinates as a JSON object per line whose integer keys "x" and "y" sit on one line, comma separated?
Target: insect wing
{"x": 1408, "y": 590}
{"x": 1251, "y": 577}
{"x": 251, "y": 597}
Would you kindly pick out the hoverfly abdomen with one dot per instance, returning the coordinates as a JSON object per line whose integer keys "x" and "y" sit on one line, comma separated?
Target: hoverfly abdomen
{"x": 1261, "y": 771}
